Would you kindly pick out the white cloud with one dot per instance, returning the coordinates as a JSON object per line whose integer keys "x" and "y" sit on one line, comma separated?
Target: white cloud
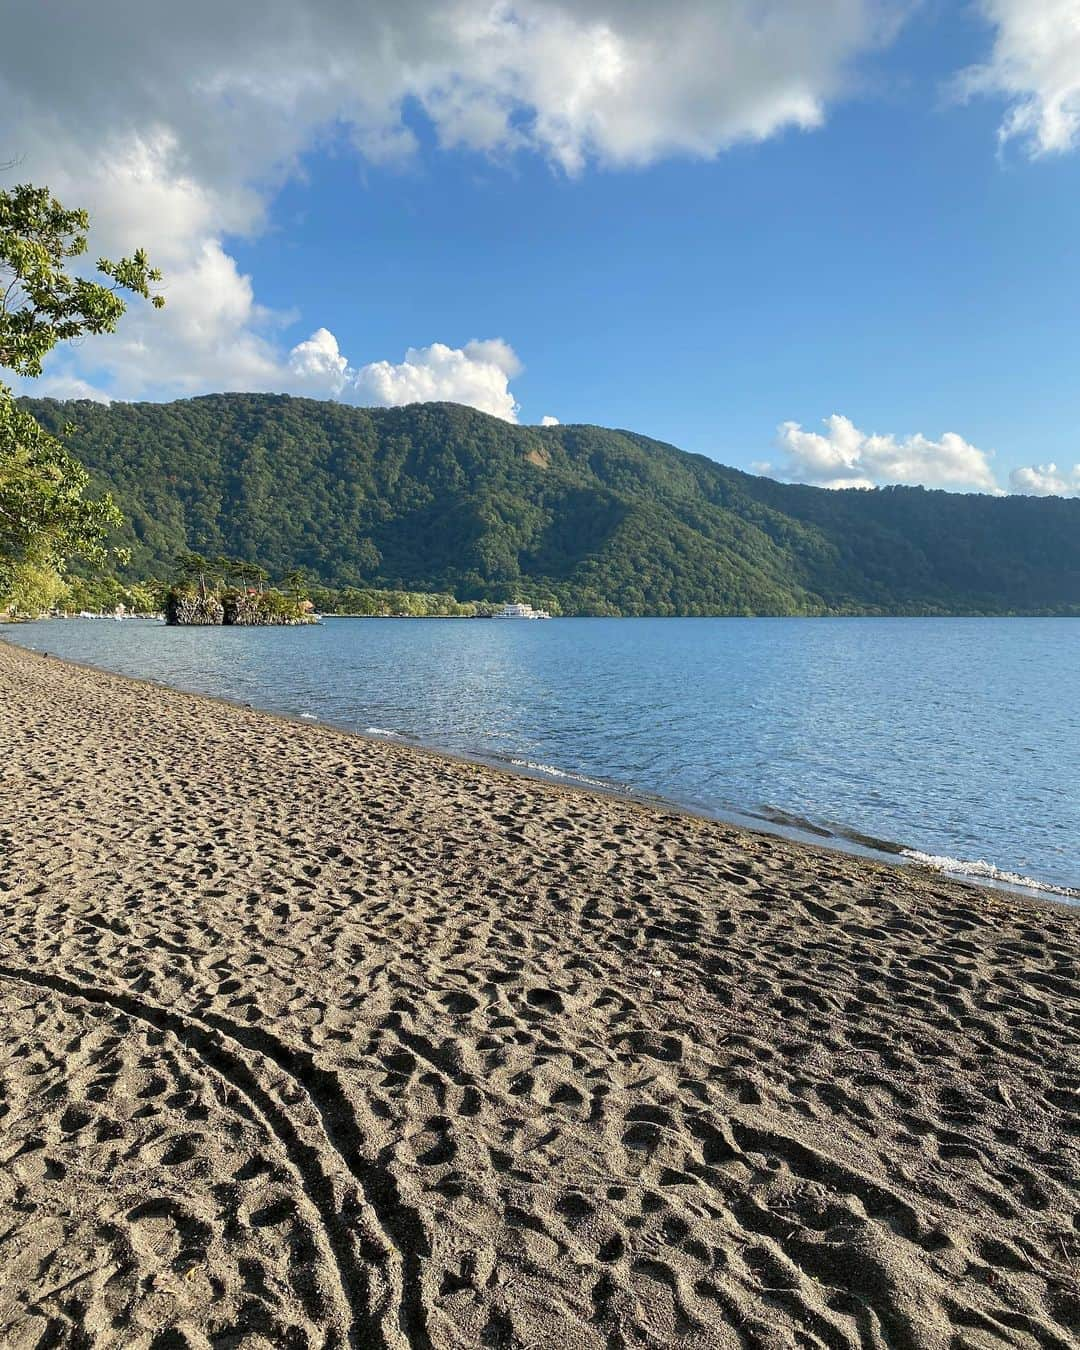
{"x": 319, "y": 363}
{"x": 1035, "y": 65}
{"x": 846, "y": 457}
{"x": 63, "y": 386}
{"x": 211, "y": 334}
{"x": 477, "y": 374}
{"x": 495, "y": 352}
{"x": 621, "y": 81}
{"x": 1046, "y": 480}
{"x": 175, "y": 132}
{"x": 548, "y": 421}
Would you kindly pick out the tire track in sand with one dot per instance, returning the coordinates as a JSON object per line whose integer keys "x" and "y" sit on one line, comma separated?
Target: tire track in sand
{"x": 221, "y": 1044}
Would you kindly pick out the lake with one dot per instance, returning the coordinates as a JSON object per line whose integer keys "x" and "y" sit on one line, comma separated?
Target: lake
{"x": 957, "y": 740}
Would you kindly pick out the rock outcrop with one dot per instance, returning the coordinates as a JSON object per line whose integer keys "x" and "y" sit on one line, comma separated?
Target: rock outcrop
{"x": 193, "y": 607}
{"x": 245, "y": 609}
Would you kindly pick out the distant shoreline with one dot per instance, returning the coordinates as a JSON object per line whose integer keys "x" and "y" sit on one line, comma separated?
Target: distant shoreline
{"x": 787, "y": 618}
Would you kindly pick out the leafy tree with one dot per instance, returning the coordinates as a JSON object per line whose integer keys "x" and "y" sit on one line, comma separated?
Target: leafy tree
{"x": 44, "y": 515}
{"x": 255, "y": 575}
{"x": 101, "y": 593}
{"x": 225, "y": 569}
{"x": 295, "y": 582}
{"x": 41, "y": 304}
{"x": 193, "y": 568}
{"x": 36, "y": 590}
{"x": 367, "y": 558}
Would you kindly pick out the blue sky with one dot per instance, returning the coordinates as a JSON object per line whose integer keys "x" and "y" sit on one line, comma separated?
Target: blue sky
{"x": 719, "y": 272}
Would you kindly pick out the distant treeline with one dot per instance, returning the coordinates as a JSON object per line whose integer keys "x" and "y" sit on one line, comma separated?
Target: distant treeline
{"x": 412, "y": 604}
{"x": 102, "y": 594}
{"x": 446, "y": 503}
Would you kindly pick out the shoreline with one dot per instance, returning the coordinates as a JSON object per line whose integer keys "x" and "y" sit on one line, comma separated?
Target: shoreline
{"x": 315, "y": 1039}
{"x": 802, "y": 833}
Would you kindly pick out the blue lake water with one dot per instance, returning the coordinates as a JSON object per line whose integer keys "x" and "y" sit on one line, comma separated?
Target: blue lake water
{"x": 955, "y": 738}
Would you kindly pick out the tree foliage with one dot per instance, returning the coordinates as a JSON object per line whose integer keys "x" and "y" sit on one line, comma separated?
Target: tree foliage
{"x": 440, "y": 499}
{"x": 41, "y": 303}
{"x": 44, "y": 515}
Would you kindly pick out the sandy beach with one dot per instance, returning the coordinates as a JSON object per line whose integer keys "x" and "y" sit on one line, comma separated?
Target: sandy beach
{"x": 314, "y": 1041}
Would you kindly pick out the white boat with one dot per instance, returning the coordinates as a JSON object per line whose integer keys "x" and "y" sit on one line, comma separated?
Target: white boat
{"x": 520, "y": 612}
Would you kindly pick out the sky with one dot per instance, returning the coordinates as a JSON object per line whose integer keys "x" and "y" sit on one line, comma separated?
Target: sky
{"x": 834, "y": 242}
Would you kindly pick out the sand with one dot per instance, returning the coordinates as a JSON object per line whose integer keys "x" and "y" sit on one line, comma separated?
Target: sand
{"x": 315, "y": 1041}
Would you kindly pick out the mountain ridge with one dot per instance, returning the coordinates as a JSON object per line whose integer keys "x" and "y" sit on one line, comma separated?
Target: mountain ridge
{"x": 437, "y": 496}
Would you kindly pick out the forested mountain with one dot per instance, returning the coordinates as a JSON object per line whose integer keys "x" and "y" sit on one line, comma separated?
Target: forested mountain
{"x": 440, "y": 497}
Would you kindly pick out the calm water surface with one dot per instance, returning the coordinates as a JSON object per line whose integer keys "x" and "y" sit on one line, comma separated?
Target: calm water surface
{"x": 956, "y": 738}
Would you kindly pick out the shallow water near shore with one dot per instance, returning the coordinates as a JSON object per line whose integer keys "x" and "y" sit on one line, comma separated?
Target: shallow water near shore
{"x": 956, "y": 740}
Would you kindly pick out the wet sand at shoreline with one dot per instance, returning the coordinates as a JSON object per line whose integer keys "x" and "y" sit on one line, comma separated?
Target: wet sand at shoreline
{"x": 312, "y": 1040}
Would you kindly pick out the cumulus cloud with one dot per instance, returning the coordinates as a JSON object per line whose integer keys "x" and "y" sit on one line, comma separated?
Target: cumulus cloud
{"x": 548, "y": 421}
{"x": 477, "y": 374}
{"x": 1046, "y": 480}
{"x": 845, "y": 457}
{"x": 1035, "y": 65}
{"x": 176, "y": 132}
{"x": 318, "y": 363}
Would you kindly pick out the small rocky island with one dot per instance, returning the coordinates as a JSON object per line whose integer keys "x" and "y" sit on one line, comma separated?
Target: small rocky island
{"x": 230, "y": 592}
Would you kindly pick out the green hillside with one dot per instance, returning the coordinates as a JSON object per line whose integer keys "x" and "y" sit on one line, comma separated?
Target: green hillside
{"x": 438, "y": 497}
